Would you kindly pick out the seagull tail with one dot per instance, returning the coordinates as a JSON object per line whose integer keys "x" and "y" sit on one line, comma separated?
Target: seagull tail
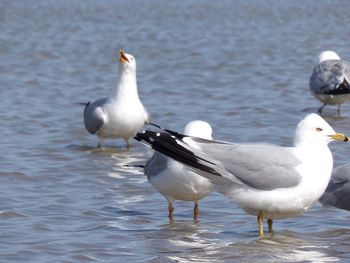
{"x": 83, "y": 103}
{"x": 170, "y": 143}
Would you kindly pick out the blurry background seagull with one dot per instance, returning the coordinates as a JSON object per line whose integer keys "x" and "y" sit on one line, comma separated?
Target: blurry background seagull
{"x": 337, "y": 193}
{"x": 122, "y": 114}
{"x": 330, "y": 80}
{"x": 265, "y": 180}
{"x": 176, "y": 181}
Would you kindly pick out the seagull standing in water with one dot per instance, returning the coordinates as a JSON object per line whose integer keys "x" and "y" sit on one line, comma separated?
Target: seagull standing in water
{"x": 265, "y": 180}
{"x": 122, "y": 114}
{"x": 176, "y": 181}
{"x": 337, "y": 193}
{"x": 330, "y": 80}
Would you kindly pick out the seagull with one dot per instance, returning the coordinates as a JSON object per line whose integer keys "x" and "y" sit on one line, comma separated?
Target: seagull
{"x": 265, "y": 180}
{"x": 174, "y": 180}
{"x": 330, "y": 79}
{"x": 337, "y": 193}
{"x": 122, "y": 114}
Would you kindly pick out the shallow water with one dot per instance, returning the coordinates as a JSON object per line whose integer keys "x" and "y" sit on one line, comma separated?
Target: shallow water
{"x": 243, "y": 66}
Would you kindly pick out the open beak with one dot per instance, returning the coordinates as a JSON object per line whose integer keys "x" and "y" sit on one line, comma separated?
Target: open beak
{"x": 340, "y": 137}
{"x": 122, "y": 57}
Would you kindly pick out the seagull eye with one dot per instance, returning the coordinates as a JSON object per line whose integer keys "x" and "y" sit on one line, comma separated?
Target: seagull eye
{"x": 319, "y": 129}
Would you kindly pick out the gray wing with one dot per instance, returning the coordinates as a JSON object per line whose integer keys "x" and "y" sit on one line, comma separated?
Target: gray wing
{"x": 157, "y": 163}
{"x": 331, "y": 77}
{"x": 337, "y": 193}
{"x": 94, "y": 115}
{"x": 260, "y": 166}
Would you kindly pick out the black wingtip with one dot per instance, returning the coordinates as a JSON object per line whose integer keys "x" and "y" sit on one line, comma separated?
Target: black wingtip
{"x": 342, "y": 88}
{"x": 134, "y": 165}
{"x": 149, "y": 137}
{"x": 140, "y": 136}
{"x": 176, "y": 134}
{"x": 170, "y": 145}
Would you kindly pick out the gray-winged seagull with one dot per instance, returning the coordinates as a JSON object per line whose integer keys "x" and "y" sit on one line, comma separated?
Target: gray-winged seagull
{"x": 330, "y": 80}
{"x": 337, "y": 193}
{"x": 174, "y": 180}
{"x": 265, "y": 180}
{"x": 122, "y": 114}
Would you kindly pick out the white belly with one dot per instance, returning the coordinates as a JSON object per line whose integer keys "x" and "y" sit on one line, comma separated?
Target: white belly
{"x": 122, "y": 121}
{"x": 282, "y": 202}
{"x": 178, "y": 183}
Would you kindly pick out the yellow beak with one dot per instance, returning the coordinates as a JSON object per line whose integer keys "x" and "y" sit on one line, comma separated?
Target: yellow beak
{"x": 340, "y": 137}
{"x": 122, "y": 57}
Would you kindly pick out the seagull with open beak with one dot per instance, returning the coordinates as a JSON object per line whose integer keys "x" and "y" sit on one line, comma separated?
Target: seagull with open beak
{"x": 122, "y": 114}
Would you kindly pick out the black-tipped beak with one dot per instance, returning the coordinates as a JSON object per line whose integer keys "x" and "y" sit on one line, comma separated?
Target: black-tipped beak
{"x": 340, "y": 137}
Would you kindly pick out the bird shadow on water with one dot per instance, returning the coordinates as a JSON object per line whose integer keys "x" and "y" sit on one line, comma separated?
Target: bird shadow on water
{"x": 329, "y": 113}
{"x": 334, "y": 117}
{"x": 102, "y": 150}
{"x": 121, "y": 161}
{"x": 285, "y": 246}
{"x": 308, "y": 110}
{"x": 198, "y": 241}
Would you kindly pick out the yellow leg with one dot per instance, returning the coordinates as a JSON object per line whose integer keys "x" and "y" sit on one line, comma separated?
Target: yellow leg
{"x": 269, "y": 223}
{"x": 260, "y": 224}
{"x": 195, "y": 211}
{"x": 171, "y": 211}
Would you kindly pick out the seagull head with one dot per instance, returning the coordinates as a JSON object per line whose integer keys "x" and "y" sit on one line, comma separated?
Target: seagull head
{"x": 328, "y": 55}
{"x": 314, "y": 130}
{"x": 199, "y": 129}
{"x": 127, "y": 61}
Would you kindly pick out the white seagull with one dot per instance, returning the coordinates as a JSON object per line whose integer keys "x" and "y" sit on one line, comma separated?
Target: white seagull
{"x": 174, "y": 180}
{"x": 265, "y": 180}
{"x": 330, "y": 80}
{"x": 122, "y": 114}
{"x": 337, "y": 193}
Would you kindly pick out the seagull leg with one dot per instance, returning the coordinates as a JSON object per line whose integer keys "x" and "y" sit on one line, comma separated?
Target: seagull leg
{"x": 269, "y": 223}
{"x": 260, "y": 224}
{"x": 321, "y": 108}
{"x": 196, "y": 211}
{"x": 100, "y": 140}
{"x": 338, "y": 110}
{"x": 171, "y": 211}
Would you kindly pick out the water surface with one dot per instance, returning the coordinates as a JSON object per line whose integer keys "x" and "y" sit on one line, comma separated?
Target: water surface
{"x": 243, "y": 66}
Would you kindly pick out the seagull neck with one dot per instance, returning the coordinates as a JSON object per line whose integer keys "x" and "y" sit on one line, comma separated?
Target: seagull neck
{"x": 307, "y": 145}
{"x": 127, "y": 86}
{"x": 318, "y": 159}
{"x": 314, "y": 149}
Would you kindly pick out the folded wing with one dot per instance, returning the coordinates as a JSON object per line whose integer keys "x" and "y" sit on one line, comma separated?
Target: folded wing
{"x": 260, "y": 166}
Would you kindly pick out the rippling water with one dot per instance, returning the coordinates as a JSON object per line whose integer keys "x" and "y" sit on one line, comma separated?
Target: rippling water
{"x": 243, "y": 66}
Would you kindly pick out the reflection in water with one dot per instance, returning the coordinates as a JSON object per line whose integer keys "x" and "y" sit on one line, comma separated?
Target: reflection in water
{"x": 192, "y": 243}
{"x": 306, "y": 255}
{"x": 195, "y": 243}
{"x": 292, "y": 248}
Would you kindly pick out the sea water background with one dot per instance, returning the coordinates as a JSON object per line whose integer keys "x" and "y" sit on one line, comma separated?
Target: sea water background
{"x": 243, "y": 66}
